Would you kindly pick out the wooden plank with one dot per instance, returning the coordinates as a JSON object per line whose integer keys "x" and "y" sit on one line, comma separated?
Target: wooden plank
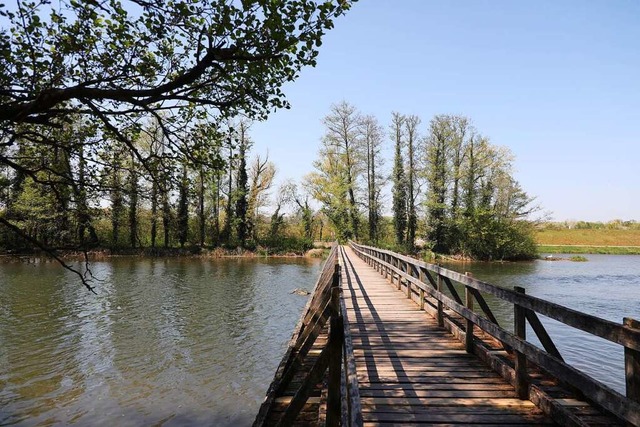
{"x": 471, "y": 418}
{"x": 442, "y": 386}
{"x": 439, "y": 393}
{"x": 425, "y": 381}
{"x": 449, "y": 402}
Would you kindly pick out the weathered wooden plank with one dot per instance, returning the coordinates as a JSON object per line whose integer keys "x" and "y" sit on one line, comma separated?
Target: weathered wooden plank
{"x": 479, "y": 385}
{"x": 449, "y": 402}
{"x": 426, "y": 380}
{"x": 439, "y": 393}
{"x": 472, "y": 419}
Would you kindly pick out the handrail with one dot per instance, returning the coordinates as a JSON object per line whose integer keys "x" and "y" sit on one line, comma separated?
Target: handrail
{"x": 336, "y": 362}
{"x": 352, "y": 413}
{"x": 525, "y": 307}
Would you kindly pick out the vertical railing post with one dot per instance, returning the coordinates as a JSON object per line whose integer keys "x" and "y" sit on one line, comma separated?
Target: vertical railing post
{"x": 468, "y": 302}
{"x": 632, "y": 365}
{"x": 421, "y": 278}
{"x": 520, "y": 329}
{"x": 386, "y": 266}
{"x": 336, "y": 337}
{"x": 406, "y": 270}
{"x": 440, "y": 306}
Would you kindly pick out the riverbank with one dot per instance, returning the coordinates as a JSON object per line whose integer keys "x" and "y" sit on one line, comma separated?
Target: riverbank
{"x": 188, "y": 252}
{"x": 582, "y": 249}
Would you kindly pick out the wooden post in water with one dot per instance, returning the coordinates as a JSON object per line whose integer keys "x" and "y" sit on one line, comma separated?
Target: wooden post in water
{"x": 440, "y": 307}
{"x": 468, "y": 338}
{"x": 520, "y": 331}
{"x": 632, "y": 365}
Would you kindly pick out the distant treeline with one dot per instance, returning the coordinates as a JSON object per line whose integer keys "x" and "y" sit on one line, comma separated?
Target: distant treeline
{"x": 616, "y": 224}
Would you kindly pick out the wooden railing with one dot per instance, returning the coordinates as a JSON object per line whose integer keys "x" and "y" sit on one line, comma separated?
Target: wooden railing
{"x": 335, "y": 367}
{"x": 421, "y": 280}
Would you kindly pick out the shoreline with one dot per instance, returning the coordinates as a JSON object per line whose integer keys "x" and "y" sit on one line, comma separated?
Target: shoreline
{"x": 589, "y": 249}
{"x": 217, "y": 253}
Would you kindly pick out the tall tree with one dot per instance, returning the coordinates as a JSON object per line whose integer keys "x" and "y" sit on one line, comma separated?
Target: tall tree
{"x": 183, "y": 207}
{"x": 261, "y": 175}
{"x": 226, "y": 234}
{"x": 437, "y": 152}
{"x": 117, "y": 200}
{"x": 372, "y": 139}
{"x": 342, "y": 138}
{"x": 301, "y": 199}
{"x": 242, "y": 189}
{"x": 411, "y": 123}
{"x": 398, "y": 179}
{"x": 132, "y": 192}
{"x": 334, "y": 183}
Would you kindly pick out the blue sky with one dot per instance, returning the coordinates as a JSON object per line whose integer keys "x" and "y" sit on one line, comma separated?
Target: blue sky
{"x": 556, "y": 82}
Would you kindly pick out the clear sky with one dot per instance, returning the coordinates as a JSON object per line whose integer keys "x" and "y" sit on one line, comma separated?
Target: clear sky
{"x": 556, "y": 82}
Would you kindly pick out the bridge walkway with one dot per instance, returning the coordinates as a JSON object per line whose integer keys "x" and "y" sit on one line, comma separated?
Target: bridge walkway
{"x": 411, "y": 371}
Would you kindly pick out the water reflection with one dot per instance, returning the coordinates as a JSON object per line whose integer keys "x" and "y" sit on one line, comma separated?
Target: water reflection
{"x": 166, "y": 342}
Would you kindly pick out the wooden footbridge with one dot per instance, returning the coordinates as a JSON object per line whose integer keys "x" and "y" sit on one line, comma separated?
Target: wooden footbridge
{"x": 387, "y": 340}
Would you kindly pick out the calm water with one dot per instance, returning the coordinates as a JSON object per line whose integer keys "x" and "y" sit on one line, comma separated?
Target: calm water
{"x": 165, "y": 342}
{"x": 196, "y": 342}
{"x": 607, "y": 286}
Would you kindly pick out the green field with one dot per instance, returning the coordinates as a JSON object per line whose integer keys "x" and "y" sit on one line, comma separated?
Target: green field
{"x": 589, "y": 241}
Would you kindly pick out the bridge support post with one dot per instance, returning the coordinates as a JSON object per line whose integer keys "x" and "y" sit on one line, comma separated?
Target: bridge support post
{"x": 632, "y": 365}
{"x": 406, "y": 270}
{"x": 440, "y": 306}
{"x": 520, "y": 330}
{"x": 420, "y": 290}
{"x": 468, "y": 338}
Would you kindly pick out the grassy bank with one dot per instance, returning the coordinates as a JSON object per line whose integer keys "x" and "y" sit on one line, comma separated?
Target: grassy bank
{"x": 579, "y": 249}
{"x": 589, "y": 241}
{"x": 588, "y": 237}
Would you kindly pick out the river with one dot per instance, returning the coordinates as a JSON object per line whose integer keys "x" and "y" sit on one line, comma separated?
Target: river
{"x": 165, "y": 342}
{"x": 196, "y": 342}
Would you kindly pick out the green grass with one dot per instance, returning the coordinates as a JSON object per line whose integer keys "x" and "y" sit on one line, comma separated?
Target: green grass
{"x": 588, "y": 237}
{"x": 578, "y": 258}
{"x": 607, "y": 250}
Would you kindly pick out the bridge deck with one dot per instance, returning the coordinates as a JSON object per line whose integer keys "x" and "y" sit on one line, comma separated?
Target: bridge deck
{"x": 412, "y": 371}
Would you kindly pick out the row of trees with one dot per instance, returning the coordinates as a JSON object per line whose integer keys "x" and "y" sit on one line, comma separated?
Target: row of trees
{"x": 117, "y": 110}
{"x": 85, "y": 195}
{"x": 449, "y": 185}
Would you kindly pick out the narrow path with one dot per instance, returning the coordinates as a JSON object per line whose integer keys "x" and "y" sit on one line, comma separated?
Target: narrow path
{"x": 411, "y": 371}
